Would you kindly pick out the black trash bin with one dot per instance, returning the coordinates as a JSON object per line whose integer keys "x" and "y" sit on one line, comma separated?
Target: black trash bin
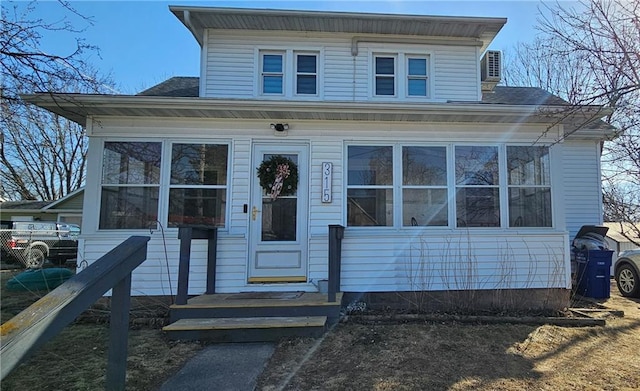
{"x": 593, "y": 262}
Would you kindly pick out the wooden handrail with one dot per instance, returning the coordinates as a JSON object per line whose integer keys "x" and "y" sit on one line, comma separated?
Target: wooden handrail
{"x": 26, "y": 332}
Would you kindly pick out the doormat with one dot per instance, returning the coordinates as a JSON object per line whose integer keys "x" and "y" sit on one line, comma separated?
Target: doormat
{"x": 265, "y": 295}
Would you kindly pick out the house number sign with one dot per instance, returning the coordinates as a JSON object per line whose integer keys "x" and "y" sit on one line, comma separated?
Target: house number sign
{"x": 327, "y": 171}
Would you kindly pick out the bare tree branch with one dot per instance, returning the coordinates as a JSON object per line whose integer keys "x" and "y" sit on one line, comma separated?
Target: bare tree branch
{"x": 42, "y": 156}
{"x": 589, "y": 54}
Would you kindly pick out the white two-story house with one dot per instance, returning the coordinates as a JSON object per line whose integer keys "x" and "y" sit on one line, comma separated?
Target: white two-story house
{"x": 388, "y": 125}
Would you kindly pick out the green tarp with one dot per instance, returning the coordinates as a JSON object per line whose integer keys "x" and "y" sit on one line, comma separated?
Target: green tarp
{"x": 39, "y": 279}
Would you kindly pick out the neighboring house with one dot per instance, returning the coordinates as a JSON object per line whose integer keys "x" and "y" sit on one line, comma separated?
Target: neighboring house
{"x": 392, "y": 122}
{"x": 619, "y": 242}
{"x": 67, "y": 209}
{"x": 615, "y": 238}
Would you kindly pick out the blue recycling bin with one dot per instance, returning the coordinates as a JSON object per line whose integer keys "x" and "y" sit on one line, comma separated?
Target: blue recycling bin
{"x": 593, "y": 273}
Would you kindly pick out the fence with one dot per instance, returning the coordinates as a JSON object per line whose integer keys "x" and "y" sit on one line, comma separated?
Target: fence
{"x": 31, "y": 244}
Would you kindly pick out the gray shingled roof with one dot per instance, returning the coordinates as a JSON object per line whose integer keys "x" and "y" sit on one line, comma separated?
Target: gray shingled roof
{"x": 179, "y": 86}
{"x": 24, "y": 204}
{"x": 522, "y": 96}
{"x": 188, "y": 87}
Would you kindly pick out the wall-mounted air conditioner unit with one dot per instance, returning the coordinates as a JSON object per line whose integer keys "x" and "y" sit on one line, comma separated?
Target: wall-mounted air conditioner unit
{"x": 491, "y": 66}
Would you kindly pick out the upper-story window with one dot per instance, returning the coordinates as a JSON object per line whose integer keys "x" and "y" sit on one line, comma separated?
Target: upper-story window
{"x": 416, "y": 76}
{"x": 272, "y": 74}
{"x": 306, "y": 74}
{"x": 289, "y": 73}
{"x": 401, "y": 75}
{"x": 385, "y": 75}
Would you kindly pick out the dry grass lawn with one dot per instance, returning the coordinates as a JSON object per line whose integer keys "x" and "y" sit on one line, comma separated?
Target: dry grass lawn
{"x": 454, "y": 356}
{"x": 353, "y": 356}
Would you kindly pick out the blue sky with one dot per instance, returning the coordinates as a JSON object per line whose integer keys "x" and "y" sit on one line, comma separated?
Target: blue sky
{"x": 142, "y": 43}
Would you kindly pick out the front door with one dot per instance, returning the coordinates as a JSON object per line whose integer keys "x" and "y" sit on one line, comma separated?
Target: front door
{"x": 278, "y": 222}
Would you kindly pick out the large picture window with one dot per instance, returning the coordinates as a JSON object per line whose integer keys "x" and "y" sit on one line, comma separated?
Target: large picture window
{"x": 198, "y": 191}
{"x": 130, "y": 185}
{"x": 529, "y": 186}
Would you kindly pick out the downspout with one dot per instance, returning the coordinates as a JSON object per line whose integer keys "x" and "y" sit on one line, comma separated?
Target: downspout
{"x": 353, "y": 79}
{"x": 187, "y": 22}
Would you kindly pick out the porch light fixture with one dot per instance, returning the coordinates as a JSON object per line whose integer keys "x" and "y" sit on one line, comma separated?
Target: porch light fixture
{"x": 280, "y": 127}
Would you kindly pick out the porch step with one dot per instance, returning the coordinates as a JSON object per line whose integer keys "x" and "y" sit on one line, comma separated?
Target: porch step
{"x": 238, "y": 306}
{"x": 252, "y": 329}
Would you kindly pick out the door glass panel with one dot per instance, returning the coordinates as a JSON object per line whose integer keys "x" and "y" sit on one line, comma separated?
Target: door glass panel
{"x": 279, "y": 219}
{"x": 279, "y": 216}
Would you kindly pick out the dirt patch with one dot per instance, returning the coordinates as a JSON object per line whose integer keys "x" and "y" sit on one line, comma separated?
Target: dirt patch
{"x": 455, "y": 356}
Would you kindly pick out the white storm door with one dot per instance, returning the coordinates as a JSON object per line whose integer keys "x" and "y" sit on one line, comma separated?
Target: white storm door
{"x": 278, "y": 227}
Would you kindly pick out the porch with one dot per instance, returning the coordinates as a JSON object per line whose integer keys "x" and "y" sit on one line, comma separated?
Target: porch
{"x": 251, "y": 316}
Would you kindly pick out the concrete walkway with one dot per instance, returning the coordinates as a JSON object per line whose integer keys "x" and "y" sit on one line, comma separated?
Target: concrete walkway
{"x": 225, "y": 367}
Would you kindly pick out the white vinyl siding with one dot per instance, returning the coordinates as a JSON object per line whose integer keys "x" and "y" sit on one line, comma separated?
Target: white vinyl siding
{"x": 448, "y": 261}
{"x": 232, "y": 66}
{"x": 582, "y": 186}
{"x": 381, "y": 259}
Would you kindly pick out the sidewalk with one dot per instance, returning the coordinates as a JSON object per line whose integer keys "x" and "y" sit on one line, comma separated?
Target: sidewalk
{"x": 224, "y": 367}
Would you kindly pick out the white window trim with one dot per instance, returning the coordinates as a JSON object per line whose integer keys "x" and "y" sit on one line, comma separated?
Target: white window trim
{"x": 296, "y": 73}
{"x": 452, "y": 186}
{"x": 401, "y": 73}
{"x": 289, "y": 72}
{"x": 417, "y": 77}
{"x": 262, "y": 73}
{"x": 164, "y": 183}
{"x": 166, "y": 175}
{"x": 375, "y": 75}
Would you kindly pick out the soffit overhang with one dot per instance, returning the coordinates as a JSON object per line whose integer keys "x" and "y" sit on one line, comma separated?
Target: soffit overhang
{"x": 79, "y": 107}
{"x": 199, "y": 19}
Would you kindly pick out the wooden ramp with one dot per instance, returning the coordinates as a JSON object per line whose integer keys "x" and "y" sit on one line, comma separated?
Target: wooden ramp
{"x": 253, "y": 316}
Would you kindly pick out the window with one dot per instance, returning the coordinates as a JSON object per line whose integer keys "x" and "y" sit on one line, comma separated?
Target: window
{"x": 370, "y": 186}
{"x": 306, "y": 74}
{"x": 272, "y": 73}
{"x": 385, "y": 79}
{"x": 130, "y": 185}
{"x": 424, "y": 186}
{"x": 416, "y": 76}
{"x": 194, "y": 183}
{"x": 427, "y": 194}
{"x": 197, "y": 192}
{"x": 529, "y": 186}
{"x": 289, "y": 73}
{"x": 477, "y": 186}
